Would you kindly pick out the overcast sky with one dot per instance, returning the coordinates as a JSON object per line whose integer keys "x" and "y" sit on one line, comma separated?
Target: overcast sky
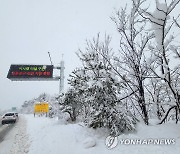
{"x": 31, "y": 28}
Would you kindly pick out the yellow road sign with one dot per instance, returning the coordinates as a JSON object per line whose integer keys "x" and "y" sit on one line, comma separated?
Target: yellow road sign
{"x": 41, "y": 107}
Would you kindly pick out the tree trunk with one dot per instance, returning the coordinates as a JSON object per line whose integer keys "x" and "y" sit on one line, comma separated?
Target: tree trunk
{"x": 142, "y": 104}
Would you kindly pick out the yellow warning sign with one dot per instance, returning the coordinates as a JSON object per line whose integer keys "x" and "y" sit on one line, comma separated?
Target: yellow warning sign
{"x": 41, "y": 107}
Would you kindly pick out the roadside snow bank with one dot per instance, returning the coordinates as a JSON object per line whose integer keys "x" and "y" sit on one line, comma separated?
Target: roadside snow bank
{"x": 51, "y": 136}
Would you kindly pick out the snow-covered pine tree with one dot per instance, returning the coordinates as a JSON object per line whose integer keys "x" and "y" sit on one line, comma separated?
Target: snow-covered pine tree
{"x": 98, "y": 88}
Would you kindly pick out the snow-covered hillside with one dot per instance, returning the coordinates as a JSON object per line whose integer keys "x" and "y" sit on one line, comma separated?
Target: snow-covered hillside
{"x": 41, "y": 135}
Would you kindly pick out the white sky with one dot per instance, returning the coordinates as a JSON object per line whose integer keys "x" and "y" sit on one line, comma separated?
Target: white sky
{"x": 31, "y": 28}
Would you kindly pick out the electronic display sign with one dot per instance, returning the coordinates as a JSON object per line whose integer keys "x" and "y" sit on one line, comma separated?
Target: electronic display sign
{"x": 19, "y": 72}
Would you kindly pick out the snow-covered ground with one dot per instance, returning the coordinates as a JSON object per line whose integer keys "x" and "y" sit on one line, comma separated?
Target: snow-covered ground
{"x": 41, "y": 135}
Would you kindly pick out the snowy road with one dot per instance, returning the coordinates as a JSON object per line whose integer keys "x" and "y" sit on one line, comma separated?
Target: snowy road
{"x": 4, "y": 129}
{"x": 15, "y": 141}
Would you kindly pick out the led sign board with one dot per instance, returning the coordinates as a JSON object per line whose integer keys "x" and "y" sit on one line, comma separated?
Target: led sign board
{"x": 19, "y": 72}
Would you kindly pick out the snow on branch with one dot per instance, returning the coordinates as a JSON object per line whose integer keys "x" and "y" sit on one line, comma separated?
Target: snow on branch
{"x": 172, "y": 5}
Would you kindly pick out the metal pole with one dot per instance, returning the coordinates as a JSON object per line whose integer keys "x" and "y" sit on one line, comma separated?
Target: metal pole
{"x": 61, "y": 81}
{"x": 50, "y": 58}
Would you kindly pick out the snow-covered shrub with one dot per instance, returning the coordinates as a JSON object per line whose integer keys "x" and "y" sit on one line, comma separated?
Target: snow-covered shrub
{"x": 116, "y": 122}
{"x": 71, "y": 104}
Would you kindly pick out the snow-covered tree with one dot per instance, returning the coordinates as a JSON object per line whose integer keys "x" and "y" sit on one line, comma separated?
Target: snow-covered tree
{"x": 162, "y": 24}
{"x": 147, "y": 43}
{"x": 158, "y": 98}
{"x": 98, "y": 89}
{"x": 134, "y": 41}
{"x": 112, "y": 91}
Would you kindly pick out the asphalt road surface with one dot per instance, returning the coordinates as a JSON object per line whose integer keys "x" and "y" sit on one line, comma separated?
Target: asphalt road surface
{"x": 4, "y": 129}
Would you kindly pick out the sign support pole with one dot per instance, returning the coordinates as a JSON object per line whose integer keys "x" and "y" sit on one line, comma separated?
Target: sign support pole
{"x": 61, "y": 81}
